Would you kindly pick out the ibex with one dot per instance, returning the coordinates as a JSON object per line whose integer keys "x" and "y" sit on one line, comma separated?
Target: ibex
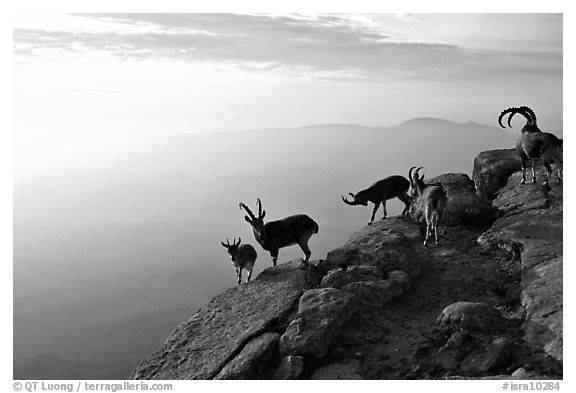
{"x": 378, "y": 193}
{"x": 242, "y": 256}
{"x": 278, "y": 234}
{"x": 534, "y": 144}
{"x": 431, "y": 198}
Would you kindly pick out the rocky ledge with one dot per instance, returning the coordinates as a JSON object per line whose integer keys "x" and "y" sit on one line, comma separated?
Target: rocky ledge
{"x": 485, "y": 303}
{"x": 531, "y": 230}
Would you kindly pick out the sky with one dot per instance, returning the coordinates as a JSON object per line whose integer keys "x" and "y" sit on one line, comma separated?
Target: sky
{"x": 86, "y": 83}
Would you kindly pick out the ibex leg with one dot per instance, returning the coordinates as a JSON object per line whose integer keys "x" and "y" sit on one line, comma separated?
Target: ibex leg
{"x": 239, "y": 276}
{"x": 304, "y": 246}
{"x": 548, "y": 171}
{"x": 384, "y": 209}
{"x": 376, "y": 206}
{"x": 406, "y": 199}
{"x": 428, "y": 231}
{"x": 533, "y": 171}
{"x": 523, "y": 162}
{"x": 249, "y": 275}
{"x": 274, "y": 255}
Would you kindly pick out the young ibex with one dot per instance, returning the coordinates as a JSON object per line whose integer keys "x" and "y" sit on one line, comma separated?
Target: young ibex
{"x": 378, "y": 193}
{"x": 534, "y": 144}
{"x": 431, "y": 198}
{"x": 242, "y": 256}
{"x": 278, "y": 234}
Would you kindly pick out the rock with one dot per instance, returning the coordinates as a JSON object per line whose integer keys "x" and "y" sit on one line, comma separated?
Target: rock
{"x": 339, "y": 258}
{"x": 327, "y": 303}
{"x": 201, "y": 347}
{"x": 290, "y": 367}
{"x": 531, "y": 229}
{"x": 336, "y": 278}
{"x": 472, "y": 316}
{"x": 321, "y": 313}
{"x": 293, "y": 272}
{"x": 522, "y": 373}
{"x": 460, "y": 344}
{"x": 463, "y": 205}
{"x": 389, "y": 244}
{"x": 496, "y": 356}
{"x": 492, "y": 169}
{"x": 253, "y": 361}
{"x": 374, "y": 293}
{"x": 349, "y": 370}
{"x": 366, "y": 271}
{"x": 514, "y": 199}
{"x": 400, "y": 277}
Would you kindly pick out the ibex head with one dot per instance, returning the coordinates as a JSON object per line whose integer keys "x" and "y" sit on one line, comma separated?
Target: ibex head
{"x": 358, "y": 199}
{"x": 232, "y": 248}
{"x": 256, "y": 222}
{"x": 416, "y": 182}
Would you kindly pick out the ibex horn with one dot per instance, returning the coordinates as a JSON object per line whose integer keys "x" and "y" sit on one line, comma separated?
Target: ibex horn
{"x": 243, "y": 206}
{"x": 259, "y": 203}
{"x": 530, "y": 113}
{"x": 346, "y": 201}
{"x": 523, "y": 110}
{"x": 417, "y": 173}
{"x": 410, "y": 174}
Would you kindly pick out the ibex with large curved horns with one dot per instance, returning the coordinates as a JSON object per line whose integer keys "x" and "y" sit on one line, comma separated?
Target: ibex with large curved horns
{"x": 242, "y": 256}
{"x": 431, "y": 198}
{"x": 378, "y": 193}
{"x": 278, "y": 234}
{"x": 534, "y": 144}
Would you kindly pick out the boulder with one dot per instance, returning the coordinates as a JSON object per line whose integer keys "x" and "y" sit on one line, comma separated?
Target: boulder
{"x": 321, "y": 313}
{"x": 290, "y": 367}
{"x": 374, "y": 293}
{"x": 514, "y": 198}
{"x": 338, "y": 278}
{"x": 201, "y": 347}
{"x": 472, "y": 316}
{"x": 341, "y": 257}
{"x": 492, "y": 169}
{"x": 400, "y": 277}
{"x": 498, "y": 355}
{"x": 460, "y": 344}
{"x": 361, "y": 271}
{"x": 389, "y": 244}
{"x": 522, "y": 373}
{"x": 254, "y": 359}
{"x": 349, "y": 370}
{"x": 463, "y": 205}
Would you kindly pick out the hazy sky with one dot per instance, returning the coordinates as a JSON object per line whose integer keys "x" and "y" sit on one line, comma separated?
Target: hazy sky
{"x": 98, "y": 81}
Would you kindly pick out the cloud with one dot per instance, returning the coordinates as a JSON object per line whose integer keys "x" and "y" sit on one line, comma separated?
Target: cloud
{"x": 310, "y": 44}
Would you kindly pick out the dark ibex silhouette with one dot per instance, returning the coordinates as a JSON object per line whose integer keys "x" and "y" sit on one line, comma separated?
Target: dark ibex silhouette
{"x": 278, "y": 234}
{"x": 378, "y": 193}
{"x": 534, "y": 144}
{"x": 242, "y": 256}
{"x": 431, "y": 198}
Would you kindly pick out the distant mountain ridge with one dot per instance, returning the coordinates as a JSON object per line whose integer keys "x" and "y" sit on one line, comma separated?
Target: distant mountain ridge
{"x": 425, "y": 139}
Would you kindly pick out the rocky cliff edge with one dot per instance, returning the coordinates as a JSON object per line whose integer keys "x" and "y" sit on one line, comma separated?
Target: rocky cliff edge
{"x": 485, "y": 303}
